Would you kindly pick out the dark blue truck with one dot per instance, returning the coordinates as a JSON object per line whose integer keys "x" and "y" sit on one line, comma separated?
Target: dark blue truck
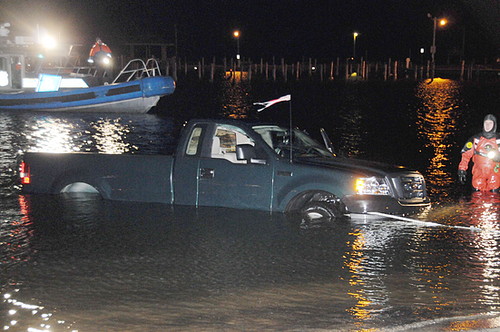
{"x": 234, "y": 164}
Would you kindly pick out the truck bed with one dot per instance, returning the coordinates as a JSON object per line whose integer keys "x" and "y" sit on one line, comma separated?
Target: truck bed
{"x": 116, "y": 177}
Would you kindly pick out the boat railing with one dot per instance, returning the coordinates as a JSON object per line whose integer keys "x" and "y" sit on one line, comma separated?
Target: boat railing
{"x": 83, "y": 71}
{"x": 136, "y": 69}
{"x": 77, "y": 71}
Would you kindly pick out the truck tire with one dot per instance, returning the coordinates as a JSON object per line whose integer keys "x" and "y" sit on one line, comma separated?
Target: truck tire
{"x": 319, "y": 212}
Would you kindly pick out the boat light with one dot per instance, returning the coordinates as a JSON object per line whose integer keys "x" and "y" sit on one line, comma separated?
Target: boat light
{"x": 48, "y": 42}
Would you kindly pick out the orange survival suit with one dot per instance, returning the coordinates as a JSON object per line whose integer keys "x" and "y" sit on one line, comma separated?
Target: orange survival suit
{"x": 484, "y": 149}
{"x": 98, "y": 47}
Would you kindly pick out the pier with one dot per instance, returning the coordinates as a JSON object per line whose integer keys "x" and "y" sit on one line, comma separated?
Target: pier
{"x": 281, "y": 69}
{"x": 313, "y": 69}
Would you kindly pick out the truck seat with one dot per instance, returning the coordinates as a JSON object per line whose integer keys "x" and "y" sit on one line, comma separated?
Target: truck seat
{"x": 220, "y": 152}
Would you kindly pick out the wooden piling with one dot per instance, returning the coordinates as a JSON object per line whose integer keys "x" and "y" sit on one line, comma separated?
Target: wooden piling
{"x": 212, "y": 71}
{"x": 347, "y": 69}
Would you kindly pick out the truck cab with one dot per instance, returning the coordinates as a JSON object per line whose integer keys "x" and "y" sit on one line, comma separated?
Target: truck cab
{"x": 262, "y": 166}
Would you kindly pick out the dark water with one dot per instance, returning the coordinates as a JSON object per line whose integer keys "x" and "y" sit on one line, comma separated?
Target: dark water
{"x": 80, "y": 263}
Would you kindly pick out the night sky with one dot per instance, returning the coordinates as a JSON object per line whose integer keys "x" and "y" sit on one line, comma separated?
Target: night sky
{"x": 293, "y": 29}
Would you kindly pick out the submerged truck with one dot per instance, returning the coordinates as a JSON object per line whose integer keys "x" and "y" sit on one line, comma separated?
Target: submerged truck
{"x": 235, "y": 164}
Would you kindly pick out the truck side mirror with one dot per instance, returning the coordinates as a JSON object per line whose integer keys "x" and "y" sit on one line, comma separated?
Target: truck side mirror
{"x": 247, "y": 152}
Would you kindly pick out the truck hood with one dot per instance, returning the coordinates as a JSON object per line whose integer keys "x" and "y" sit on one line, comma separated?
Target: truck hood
{"x": 351, "y": 164}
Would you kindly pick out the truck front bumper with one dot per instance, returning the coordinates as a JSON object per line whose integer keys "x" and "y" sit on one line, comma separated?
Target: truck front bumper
{"x": 384, "y": 204}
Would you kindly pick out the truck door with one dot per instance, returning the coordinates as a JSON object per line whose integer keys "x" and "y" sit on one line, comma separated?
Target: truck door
{"x": 228, "y": 182}
{"x": 185, "y": 173}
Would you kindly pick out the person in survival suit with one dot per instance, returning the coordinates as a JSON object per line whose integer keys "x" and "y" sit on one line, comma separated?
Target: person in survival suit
{"x": 484, "y": 150}
{"x": 100, "y": 55}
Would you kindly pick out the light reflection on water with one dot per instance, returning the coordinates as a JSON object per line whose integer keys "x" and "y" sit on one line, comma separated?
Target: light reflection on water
{"x": 91, "y": 265}
{"x": 236, "y": 103}
{"x": 53, "y": 135}
{"x": 437, "y": 124}
{"x": 50, "y": 134}
{"x": 150, "y": 265}
{"x": 110, "y": 136}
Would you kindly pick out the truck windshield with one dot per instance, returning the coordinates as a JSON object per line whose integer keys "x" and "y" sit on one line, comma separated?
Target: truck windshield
{"x": 303, "y": 146}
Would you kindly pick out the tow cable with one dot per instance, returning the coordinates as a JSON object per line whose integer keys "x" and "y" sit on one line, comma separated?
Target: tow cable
{"x": 422, "y": 222}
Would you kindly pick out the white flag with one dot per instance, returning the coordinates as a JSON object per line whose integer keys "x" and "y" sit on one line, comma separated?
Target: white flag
{"x": 269, "y": 103}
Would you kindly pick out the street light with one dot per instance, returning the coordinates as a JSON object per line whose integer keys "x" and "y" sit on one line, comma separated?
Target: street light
{"x": 354, "y": 35}
{"x": 236, "y": 35}
{"x": 442, "y": 22}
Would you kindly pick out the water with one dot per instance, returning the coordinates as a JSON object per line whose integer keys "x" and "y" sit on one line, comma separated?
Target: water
{"x": 77, "y": 262}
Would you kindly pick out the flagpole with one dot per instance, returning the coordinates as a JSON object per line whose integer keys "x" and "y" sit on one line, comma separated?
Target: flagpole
{"x": 291, "y": 131}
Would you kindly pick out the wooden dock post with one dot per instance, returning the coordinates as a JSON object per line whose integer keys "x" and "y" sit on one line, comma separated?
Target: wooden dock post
{"x": 175, "y": 68}
{"x": 212, "y": 70}
{"x": 283, "y": 68}
{"x": 346, "y": 69}
{"x": 249, "y": 70}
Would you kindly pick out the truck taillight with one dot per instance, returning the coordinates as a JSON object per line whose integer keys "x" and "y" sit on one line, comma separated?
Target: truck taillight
{"x": 24, "y": 173}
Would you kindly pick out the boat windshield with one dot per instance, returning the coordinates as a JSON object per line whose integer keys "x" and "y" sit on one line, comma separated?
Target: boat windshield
{"x": 303, "y": 146}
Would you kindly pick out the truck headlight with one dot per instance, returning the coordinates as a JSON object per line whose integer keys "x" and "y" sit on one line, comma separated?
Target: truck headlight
{"x": 371, "y": 186}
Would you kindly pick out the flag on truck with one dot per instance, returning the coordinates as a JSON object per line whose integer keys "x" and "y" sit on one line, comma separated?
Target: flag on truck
{"x": 270, "y": 103}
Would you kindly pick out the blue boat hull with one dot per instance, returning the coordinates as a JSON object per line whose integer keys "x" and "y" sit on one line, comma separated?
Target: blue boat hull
{"x": 137, "y": 96}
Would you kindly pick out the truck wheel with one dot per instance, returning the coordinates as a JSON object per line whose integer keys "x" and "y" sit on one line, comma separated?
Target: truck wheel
{"x": 318, "y": 212}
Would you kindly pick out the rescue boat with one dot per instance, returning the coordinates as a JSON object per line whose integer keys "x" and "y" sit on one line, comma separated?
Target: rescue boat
{"x": 136, "y": 89}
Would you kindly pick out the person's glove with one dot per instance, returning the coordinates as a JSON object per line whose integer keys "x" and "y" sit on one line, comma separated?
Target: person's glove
{"x": 462, "y": 176}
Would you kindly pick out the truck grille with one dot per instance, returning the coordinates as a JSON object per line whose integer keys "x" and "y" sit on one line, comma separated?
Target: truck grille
{"x": 412, "y": 187}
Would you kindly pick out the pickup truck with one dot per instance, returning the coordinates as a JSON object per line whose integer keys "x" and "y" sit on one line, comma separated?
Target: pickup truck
{"x": 235, "y": 164}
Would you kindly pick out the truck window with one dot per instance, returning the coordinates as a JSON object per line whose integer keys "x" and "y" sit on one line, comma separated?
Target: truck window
{"x": 225, "y": 140}
{"x": 194, "y": 141}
